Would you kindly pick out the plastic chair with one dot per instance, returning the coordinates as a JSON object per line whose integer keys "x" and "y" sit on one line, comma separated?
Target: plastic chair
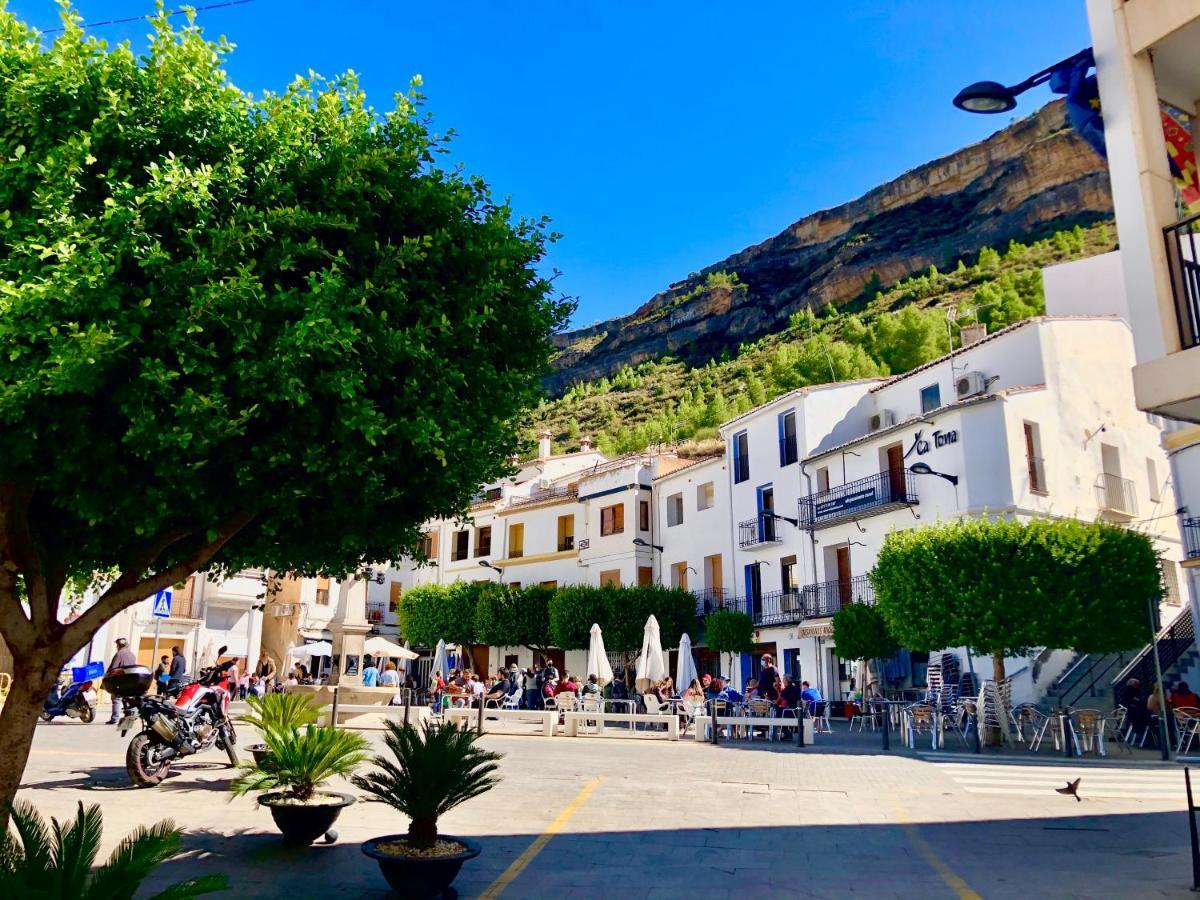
{"x": 865, "y": 716}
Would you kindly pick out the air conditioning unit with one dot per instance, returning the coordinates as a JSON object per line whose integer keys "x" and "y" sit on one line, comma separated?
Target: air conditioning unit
{"x": 969, "y": 384}
{"x": 544, "y": 484}
{"x": 885, "y": 418}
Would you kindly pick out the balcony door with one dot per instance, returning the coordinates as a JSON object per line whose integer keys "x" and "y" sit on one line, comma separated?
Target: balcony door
{"x": 766, "y": 513}
{"x": 895, "y": 469}
{"x": 843, "y": 576}
{"x": 754, "y": 590}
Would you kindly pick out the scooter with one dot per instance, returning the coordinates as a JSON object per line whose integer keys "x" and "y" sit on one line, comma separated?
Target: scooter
{"x": 78, "y": 701}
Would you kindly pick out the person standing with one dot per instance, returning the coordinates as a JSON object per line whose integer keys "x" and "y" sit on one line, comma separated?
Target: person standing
{"x": 178, "y": 669}
{"x": 122, "y": 659}
{"x": 768, "y": 679}
{"x": 162, "y": 675}
{"x": 370, "y": 674}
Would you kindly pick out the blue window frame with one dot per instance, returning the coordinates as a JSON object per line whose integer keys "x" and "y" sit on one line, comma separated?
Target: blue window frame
{"x": 931, "y": 398}
{"x": 788, "y": 448}
{"x": 741, "y": 457}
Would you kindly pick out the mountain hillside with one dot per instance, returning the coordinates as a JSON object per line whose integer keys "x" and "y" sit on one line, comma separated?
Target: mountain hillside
{"x": 883, "y": 331}
{"x": 1027, "y": 181}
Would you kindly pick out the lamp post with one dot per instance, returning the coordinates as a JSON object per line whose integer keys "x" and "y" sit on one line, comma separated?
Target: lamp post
{"x": 921, "y": 468}
{"x": 991, "y": 97}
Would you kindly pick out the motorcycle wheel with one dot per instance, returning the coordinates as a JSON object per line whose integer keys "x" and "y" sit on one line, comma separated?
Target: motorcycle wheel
{"x": 142, "y": 771}
{"x": 87, "y": 713}
{"x": 229, "y": 739}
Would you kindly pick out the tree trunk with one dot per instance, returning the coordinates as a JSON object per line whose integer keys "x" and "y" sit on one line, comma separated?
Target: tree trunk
{"x": 422, "y": 833}
{"x": 994, "y": 736}
{"x": 18, "y": 719}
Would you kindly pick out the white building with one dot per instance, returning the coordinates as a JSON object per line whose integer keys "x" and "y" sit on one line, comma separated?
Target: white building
{"x": 1015, "y": 418}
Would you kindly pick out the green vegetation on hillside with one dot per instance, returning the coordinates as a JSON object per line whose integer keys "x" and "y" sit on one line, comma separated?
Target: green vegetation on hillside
{"x": 885, "y": 331}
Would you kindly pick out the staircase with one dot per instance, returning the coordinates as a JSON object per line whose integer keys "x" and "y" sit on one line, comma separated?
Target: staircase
{"x": 1086, "y": 682}
{"x": 1177, "y": 655}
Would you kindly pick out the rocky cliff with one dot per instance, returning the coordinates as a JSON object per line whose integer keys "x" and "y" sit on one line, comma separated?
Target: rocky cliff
{"x": 1031, "y": 178}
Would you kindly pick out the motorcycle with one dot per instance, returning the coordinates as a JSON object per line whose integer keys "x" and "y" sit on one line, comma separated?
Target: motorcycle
{"x": 173, "y": 726}
{"x": 78, "y": 701}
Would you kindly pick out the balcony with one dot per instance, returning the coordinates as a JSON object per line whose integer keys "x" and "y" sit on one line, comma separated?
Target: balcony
{"x": 763, "y": 529}
{"x": 777, "y": 608}
{"x": 1116, "y": 495}
{"x": 544, "y": 496}
{"x": 1191, "y": 539}
{"x": 868, "y": 496}
{"x": 710, "y": 600}
{"x": 826, "y": 598}
{"x": 1183, "y": 263}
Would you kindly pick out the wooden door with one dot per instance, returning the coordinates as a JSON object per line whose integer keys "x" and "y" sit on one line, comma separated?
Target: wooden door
{"x": 843, "y": 576}
{"x": 895, "y": 460}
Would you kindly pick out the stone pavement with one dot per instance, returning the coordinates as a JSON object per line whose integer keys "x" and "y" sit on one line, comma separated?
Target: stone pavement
{"x": 643, "y": 818}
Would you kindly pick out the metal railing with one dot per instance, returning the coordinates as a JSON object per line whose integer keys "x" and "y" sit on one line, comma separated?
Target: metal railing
{"x": 1173, "y": 641}
{"x": 1082, "y": 678}
{"x": 827, "y": 597}
{"x": 1191, "y": 538}
{"x": 1116, "y": 494}
{"x": 709, "y": 600}
{"x": 777, "y": 607}
{"x": 563, "y": 493}
{"x": 376, "y": 611}
{"x": 1037, "y": 474}
{"x": 1183, "y": 266}
{"x": 566, "y": 543}
{"x": 854, "y": 499}
{"x": 762, "y": 529}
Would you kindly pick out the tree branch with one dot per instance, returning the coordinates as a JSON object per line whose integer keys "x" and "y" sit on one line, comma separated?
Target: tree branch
{"x": 122, "y": 594}
{"x": 14, "y": 623}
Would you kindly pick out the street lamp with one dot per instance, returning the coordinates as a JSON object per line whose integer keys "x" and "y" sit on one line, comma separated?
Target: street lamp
{"x": 991, "y": 97}
{"x": 923, "y": 469}
{"x": 487, "y": 565}
{"x": 768, "y": 514}
{"x": 638, "y": 542}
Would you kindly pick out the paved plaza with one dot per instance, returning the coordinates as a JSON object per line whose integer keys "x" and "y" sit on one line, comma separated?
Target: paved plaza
{"x": 604, "y": 817}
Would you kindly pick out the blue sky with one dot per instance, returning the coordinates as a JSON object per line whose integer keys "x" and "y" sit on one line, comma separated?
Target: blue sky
{"x": 659, "y": 137}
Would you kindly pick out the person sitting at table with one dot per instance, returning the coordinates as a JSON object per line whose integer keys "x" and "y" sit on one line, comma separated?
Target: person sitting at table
{"x": 389, "y": 677}
{"x": 549, "y": 689}
{"x": 790, "y": 694}
{"x": 567, "y": 686}
{"x": 810, "y": 695}
{"x": 751, "y": 688}
{"x": 1183, "y": 698}
{"x": 591, "y": 689}
{"x": 500, "y": 689}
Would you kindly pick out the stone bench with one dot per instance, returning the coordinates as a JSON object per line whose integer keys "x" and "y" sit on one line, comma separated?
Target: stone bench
{"x": 469, "y": 718}
{"x": 572, "y": 719}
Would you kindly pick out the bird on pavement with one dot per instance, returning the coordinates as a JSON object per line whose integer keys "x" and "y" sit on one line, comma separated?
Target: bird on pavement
{"x": 1072, "y": 788}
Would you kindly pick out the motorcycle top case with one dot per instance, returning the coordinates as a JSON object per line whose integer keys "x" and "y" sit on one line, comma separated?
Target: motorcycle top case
{"x": 132, "y": 681}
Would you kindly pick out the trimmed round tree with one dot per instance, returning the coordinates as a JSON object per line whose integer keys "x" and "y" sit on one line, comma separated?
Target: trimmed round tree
{"x": 860, "y": 632}
{"x": 1002, "y": 586}
{"x": 234, "y": 332}
{"x": 729, "y": 631}
{"x": 505, "y": 617}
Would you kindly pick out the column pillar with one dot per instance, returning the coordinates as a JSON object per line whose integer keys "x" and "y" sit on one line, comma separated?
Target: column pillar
{"x": 349, "y": 628}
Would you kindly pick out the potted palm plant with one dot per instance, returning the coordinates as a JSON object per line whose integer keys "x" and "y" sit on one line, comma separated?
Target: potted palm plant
{"x": 278, "y": 713}
{"x": 297, "y": 762}
{"x": 432, "y": 770}
{"x": 60, "y": 861}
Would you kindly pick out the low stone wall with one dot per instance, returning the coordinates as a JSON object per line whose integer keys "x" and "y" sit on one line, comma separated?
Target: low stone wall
{"x": 355, "y": 695}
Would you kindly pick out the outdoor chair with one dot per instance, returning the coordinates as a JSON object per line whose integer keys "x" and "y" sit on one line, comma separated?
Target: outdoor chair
{"x": 1030, "y": 723}
{"x": 654, "y": 707}
{"x": 1187, "y": 723}
{"x": 866, "y": 715}
{"x": 819, "y": 710}
{"x": 757, "y": 709}
{"x": 921, "y": 719}
{"x": 511, "y": 701}
{"x": 1089, "y": 730}
{"x": 960, "y": 720}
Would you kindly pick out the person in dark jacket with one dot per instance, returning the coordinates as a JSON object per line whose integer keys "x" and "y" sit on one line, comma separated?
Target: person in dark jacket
{"x": 122, "y": 659}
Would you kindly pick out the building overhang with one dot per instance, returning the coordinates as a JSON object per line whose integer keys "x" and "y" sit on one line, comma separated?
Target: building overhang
{"x": 1170, "y": 385}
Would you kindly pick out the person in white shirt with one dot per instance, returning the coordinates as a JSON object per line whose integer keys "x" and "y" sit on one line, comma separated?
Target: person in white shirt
{"x": 477, "y": 688}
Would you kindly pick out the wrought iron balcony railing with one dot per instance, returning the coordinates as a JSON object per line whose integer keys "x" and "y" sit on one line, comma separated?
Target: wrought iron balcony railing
{"x": 827, "y": 597}
{"x": 762, "y": 529}
{"x": 1116, "y": 494}
{"x": 1183, "y": 263}
{"x": 1191, "y": 538}
{"x": 709, "y": 600}
{"x": 868, "y": 496}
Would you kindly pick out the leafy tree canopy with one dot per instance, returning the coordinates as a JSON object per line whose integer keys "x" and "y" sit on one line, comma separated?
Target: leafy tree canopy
{"x": 860, "y": 632}
{"x": 729, "y": 631}
{"x": 433, "y": 612}
{"x": 505, "y": 617}
{"x": 1002, "y": 586}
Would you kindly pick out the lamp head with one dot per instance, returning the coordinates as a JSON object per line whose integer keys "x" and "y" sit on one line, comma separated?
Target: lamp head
{"x": 920, "y": 468}
{"x": 988, "y": 97}
{"x": 638, "y": 542}
{"x": 485, "y": 563}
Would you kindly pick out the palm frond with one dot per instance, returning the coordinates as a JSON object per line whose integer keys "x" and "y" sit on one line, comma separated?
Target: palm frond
{"x": 135, "y": 858}
{"x": 77, "y": 845}
{"x": 27, "y": 857}
{"x": 194, "y": 887}
{"x": 432, "y": 771}
{"x": 301, "y": 761}
{"x": 276, "y": 715}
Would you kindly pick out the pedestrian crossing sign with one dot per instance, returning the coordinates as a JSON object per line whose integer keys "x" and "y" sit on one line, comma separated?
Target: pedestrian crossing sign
{"x": 162, "y": 604}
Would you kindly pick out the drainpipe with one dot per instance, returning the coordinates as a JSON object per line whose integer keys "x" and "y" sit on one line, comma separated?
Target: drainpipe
{"x": 812, "y": 535}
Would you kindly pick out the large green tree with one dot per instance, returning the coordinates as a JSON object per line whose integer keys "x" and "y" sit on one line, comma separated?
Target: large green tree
{"x": 514, "y": 617}
{"x": 1003, "y": 586}
{"x": 233, "y": 332}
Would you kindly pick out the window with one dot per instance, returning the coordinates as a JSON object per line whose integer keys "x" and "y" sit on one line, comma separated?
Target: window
{"x": 322, "y": 592}
{"x": 515, "y": 585}
{"x": 461, "y": 548}
{"x": 822, "y": 479}
{"x": 483, "y": 540}
{"x": 612, "y": 519}
{"x": 1033, "y": 458}
{"x": 741, "y": 457}
{"x": 787, "y": 568}
{"x": 611, "y": 578}
{"x": 566, "y": 533}
{"x": 704, "y": 495}
{"x": 787, "y": 438}
{"x": 674, "y": 510}
{"x": 645, "y": 576}
{"x": 679, "y": 573}
{"x": 549, "y": 584}
{"x": 643, "y": 515}
{"x": 395, "y": 589}
{"x": 428, "y": 547}
{"x": 516, "y": 540}
{"x": 1152, "y": 478}
{"x": 931, "y": 398}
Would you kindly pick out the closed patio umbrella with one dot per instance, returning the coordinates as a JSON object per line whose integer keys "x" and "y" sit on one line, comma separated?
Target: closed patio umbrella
{"x": 685, "y": 666}
{"x": 404, "y": 660}
{"x": 440, "y": 664}
{"x": 651, "y": 664}
{"x": 597, "y": 659}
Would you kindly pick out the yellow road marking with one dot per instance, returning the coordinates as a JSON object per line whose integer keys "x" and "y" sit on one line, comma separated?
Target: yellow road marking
{"x": 519, "y": 864}
{"x": 961, "y": 889}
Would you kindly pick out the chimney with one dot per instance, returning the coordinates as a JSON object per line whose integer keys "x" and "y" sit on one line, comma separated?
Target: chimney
{"x": 514, "y": 459}
{"x": 585, "y": 445}
{"x": 543, "y": 445}
{"x": 972, "y": 334}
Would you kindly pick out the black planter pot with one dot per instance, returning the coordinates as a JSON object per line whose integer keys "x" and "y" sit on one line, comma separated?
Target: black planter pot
{"x": 419, "y": 878}
{"x": 259, "y": 752}
{"x": 301, "y": 825}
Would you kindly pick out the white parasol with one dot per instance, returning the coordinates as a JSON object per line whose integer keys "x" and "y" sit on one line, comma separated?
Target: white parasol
{"x": 685, "y": 666}
{"x": 651, "y": 665}
{"x": 440, "y": 664}
{"x": 597, "y": 659}
{"x": 307, "y": 651}
{"x": 381, "y": 647}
